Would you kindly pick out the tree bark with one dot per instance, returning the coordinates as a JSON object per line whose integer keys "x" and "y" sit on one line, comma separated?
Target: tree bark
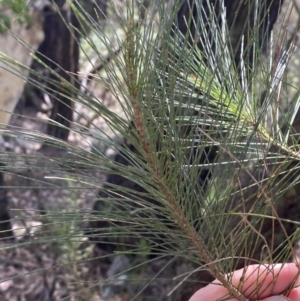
{"x": 5, "y": 224}
{"x": 239, "y": 19}
{"x": 60, "y": 52}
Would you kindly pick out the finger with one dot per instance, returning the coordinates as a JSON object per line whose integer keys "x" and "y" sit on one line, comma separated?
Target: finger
{"x": 211, "y": 292}
{"x": 294, "y": 294}
{"x": 259, "y": 282}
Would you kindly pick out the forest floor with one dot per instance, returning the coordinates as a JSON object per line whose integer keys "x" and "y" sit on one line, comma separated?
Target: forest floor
{"x": 36, "y": 265}
{"x": 50, "y": 259}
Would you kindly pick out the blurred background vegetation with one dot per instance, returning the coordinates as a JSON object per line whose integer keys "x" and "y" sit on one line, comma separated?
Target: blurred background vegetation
{"x": 154, "y": 146}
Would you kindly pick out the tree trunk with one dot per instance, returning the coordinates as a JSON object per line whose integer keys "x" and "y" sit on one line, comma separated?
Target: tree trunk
{"x": 60, "y": 52}
{"x": 13, "y": 80}
{"x": 239, "y": 18}
{"x": 5, "y": 224}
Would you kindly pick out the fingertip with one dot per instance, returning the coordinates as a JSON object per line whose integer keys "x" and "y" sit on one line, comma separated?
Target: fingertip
{"x": 294, "y": 294}
{"x": 258, "y": 283}
{"x": 265, "y": 280}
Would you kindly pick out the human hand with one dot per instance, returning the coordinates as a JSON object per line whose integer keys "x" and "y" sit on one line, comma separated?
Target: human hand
{"x": 262, "y": 282}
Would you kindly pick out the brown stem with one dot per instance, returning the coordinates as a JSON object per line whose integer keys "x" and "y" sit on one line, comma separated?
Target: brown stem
{"x": 198, "y": 243}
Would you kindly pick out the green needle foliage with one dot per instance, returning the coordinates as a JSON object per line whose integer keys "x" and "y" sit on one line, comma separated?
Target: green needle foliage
{"x": 187, "y": 111}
